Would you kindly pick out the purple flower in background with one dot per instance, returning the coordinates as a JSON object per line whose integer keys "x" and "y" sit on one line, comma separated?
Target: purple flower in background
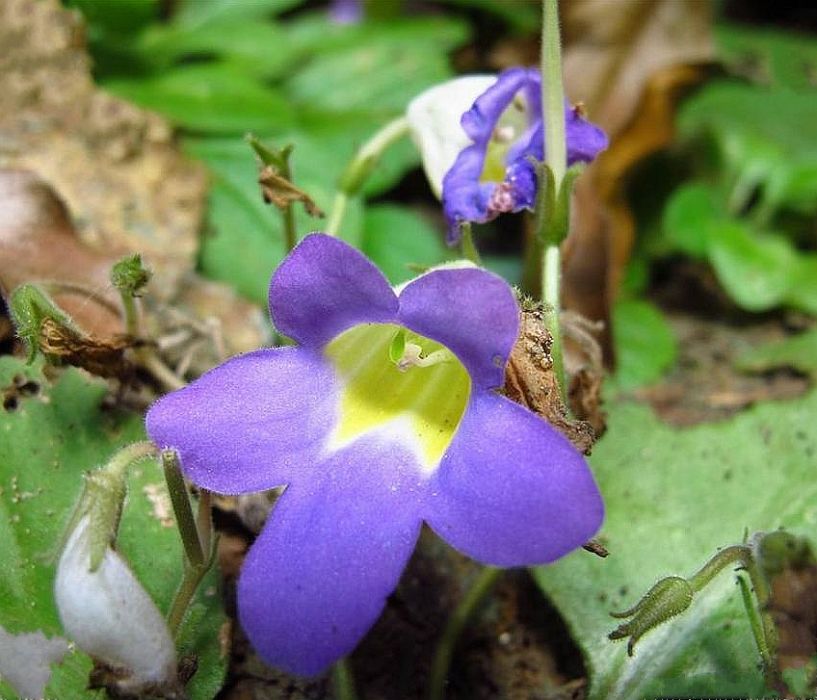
{"x": 383, "y": 417}
{"x": 495, "y": 173}
{"x": 346, "y": 11}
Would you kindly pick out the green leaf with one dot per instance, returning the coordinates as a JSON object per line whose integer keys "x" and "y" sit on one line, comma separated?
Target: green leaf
{"x": 213, "y": 97}
{"x": 688, "y": 216}
{"x": 769, "y": 55}
{"x": 673, "y": 497}
{"x": 379, "y": 75}
{"x": 399, "y": 240}
{"x": 803, "y": 289}
{"x": 754, "y": 268}
{"x": 644, "y": 342}
{"x": 244, "y": 44}
{"x": 245, "y": 238}
{"x": 767, "y": 139}
{"x": 52, "y": 434}
{"x": 199, "y": 12}
{"x": 313, "y": 34}
{"x": 117, "y": 17}
{"x": 798, "y": 351}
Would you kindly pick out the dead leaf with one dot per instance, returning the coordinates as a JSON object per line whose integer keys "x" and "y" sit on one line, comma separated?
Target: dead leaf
{"x": 628, "y": 62}
{"x": 125, "y": 185}
{"x": 38, "y": 244}
{"x": 282, "y": 193}
{"x": 63, "y": 345}
{"x": 531, "y": 382}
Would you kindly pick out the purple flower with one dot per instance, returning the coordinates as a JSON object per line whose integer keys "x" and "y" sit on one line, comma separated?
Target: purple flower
{"x": 346, "y": 11}
{"x": 495, "y": 173}
{"x": 383, "y": 417}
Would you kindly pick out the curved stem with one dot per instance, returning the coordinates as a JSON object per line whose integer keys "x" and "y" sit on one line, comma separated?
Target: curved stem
{"x": 360, "y": 167}
{"x": 337, "y": 213}
{"x": 343, "y": 681}
{"x": 551, "y": 279}
{"x": 469, "y": 248}
{"x": 453, "y": 628}
{"x": 553, "y": 94}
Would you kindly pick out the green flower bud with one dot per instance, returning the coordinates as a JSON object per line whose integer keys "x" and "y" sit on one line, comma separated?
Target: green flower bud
{"x": 667, "y": 598}
{"x": 129, "y": 276}
{"x": 30, "y": 307}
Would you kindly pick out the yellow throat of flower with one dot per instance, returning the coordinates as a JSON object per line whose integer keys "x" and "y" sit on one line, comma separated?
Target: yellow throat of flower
{"x": 401, "y": 381}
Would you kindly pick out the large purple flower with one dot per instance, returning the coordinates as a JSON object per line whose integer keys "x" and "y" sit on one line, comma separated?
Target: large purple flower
{"x": 495, "y": 173}
{"x": 383, "y": 417}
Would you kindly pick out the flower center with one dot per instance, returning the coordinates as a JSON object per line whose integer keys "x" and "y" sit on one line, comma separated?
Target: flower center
{"x": 401, "y": 382}
{"x": 511, "y": 124}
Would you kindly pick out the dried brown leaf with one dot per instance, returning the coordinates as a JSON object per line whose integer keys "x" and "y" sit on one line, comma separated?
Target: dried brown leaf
{"x": 628, "y": 62}
{"x": 279, "y": 191}
{"x": 125, "y": 184}
{"x": 531, "y": 382}
{"x": 63, "y": 345}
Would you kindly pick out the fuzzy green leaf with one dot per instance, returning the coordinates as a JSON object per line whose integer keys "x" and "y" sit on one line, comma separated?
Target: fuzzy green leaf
{"x": 673, "y": 497}
{"x": 52, "y": 434}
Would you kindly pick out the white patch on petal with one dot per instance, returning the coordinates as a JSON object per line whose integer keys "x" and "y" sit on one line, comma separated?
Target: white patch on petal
{"x": 401, "y": 431}
{"x": 434, "y": 119}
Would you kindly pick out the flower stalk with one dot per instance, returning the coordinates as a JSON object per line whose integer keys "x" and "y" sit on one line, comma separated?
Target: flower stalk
{"x": 279, "y": 159}
{"x": 473, "y": 599}
{"x": 196, "y": 536}
{"x": 550, "y": 185}
{"x": 360, "y": 167}
{"x": 468, "y": 247}
{"x": 673, "y": 595}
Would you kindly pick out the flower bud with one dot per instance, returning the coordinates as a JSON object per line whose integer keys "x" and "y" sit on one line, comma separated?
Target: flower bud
{"x": 434, "y": 119}
{"x": 667, "y": 598}
{"x": 108, "y": 613}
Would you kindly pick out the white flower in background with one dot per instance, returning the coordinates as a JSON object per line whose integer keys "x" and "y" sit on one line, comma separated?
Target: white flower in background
{"x": 108, "y": 614}
{"x": 434, "y": 119}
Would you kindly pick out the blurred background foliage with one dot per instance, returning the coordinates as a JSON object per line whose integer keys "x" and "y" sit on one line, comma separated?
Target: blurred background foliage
{"x": 736, "y": 190}
{"x": 729, "y": 192}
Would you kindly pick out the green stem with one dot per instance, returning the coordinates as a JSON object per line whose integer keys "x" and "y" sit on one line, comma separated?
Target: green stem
{"x": 468, "y": 247}
{"x": 551, "y": 279}
{"x": 337, "y": 213}
{"x": 361, "y": 166}
{"x": 288, "y": 214}
{"x": 453, "y": 629}
{"x": 343, "y": 681}
{"x": 553, "y": 94}
{"x": 131, "y": 315}
{"x": 119, "y": 464}
{"x": 185, "y": 521}
{"x": 556, "y": 162}
{"x": 760, "y": 619}
{"x": 184, "y": 594}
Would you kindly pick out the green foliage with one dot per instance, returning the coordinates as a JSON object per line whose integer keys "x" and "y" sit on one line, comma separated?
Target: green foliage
{"x": 401, "y": 242}
{"x": 769, "y": 56}
{"x": 218, "y": 69}
{"x": 674, "y": 497}
{"x": 759, "y": 268}
{"x": 51, "y": 436}
{"x": 798, "y": 352}
{"x": 748, "y": 205}
{"x": 644, "y": 342}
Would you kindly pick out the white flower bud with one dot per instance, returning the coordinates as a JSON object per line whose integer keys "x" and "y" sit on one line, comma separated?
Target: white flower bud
{"x": 434, "y": 119}
{"x": 109, "y": 615}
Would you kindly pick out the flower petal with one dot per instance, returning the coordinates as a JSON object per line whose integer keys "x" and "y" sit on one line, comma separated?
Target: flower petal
{"x": 318, "y": 576}
{"x": 252, "y": 423}
{"x": 434, "y": 119}
{"x": 471, "y": 311}
{"x": 325, "y": 286}
{"x": 511, "y": 490}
